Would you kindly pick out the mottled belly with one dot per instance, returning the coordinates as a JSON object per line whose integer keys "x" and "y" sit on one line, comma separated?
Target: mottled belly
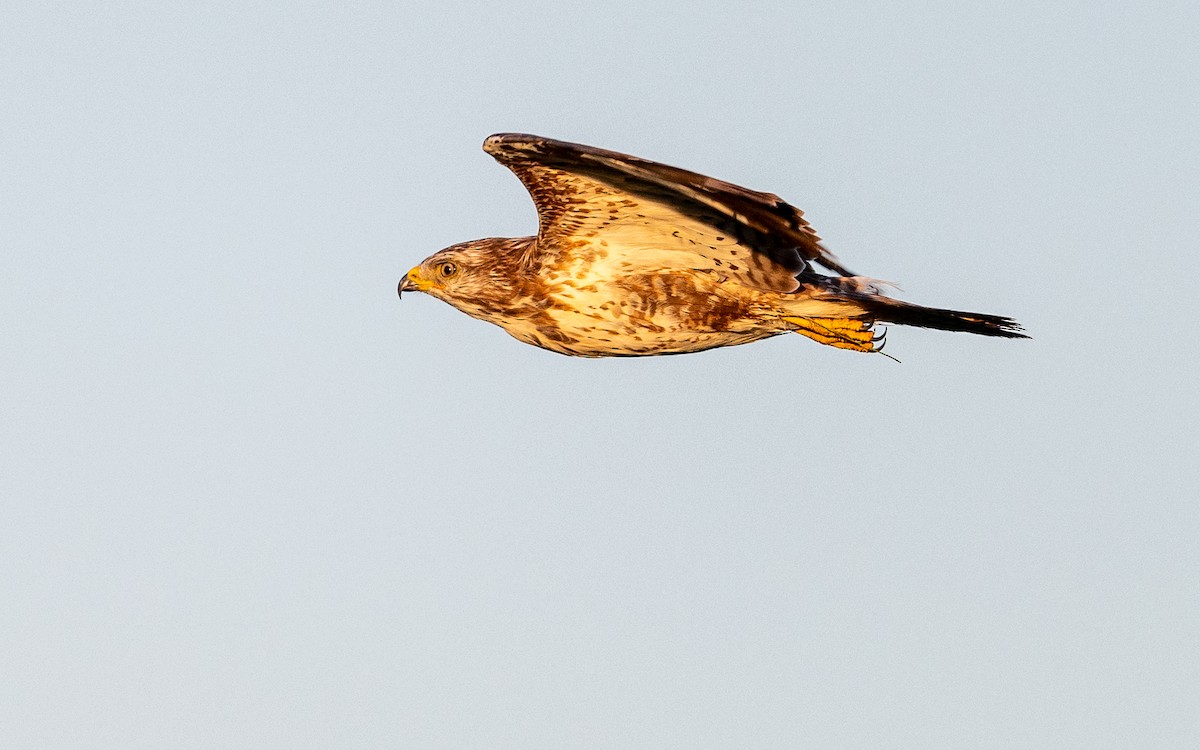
{"x": 662, "y": 314}
{"x": 601, "y": 343}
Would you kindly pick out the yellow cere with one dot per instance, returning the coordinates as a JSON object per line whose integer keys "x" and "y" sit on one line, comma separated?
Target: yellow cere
{"x": 415, "y": 277}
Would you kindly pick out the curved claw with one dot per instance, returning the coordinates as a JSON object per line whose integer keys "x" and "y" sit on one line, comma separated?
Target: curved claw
{"x": 881, "y": 339}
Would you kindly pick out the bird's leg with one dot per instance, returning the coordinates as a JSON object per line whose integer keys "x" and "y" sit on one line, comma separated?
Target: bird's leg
{"x": 844, "y": 333}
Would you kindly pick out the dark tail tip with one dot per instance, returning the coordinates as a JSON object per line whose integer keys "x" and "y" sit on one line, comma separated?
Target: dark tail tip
{"x": 904, "y": 313}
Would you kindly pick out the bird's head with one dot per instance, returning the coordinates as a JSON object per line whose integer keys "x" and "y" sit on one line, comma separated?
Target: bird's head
{"x": 470, "y": 274}
{"x": 446, "y": 273}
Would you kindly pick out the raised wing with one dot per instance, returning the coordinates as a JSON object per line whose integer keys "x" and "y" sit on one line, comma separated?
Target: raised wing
{"x": 652, "y": 215}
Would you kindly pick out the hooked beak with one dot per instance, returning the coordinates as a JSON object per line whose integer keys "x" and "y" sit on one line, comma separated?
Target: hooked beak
{"x": 411, "y": 283}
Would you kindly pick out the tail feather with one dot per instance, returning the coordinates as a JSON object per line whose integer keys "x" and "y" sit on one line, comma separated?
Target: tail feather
{"x": 887, "y": 310}
{"x": 845, "y": 312}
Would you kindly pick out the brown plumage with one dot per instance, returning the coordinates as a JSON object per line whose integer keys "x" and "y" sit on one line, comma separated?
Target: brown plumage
{"x": 634, "y": 258}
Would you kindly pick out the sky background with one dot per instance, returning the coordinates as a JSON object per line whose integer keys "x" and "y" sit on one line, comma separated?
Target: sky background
{"x": 248, "y": 498}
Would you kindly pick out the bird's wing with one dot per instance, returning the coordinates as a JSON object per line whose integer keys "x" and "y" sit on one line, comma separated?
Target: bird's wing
{"x": 638, "y": 214}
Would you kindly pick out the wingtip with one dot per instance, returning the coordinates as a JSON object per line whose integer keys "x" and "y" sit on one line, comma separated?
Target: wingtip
{"x": 494, "y": 142}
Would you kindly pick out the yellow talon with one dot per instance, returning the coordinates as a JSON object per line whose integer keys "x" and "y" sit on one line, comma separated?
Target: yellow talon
{"x": 844, "y": 333}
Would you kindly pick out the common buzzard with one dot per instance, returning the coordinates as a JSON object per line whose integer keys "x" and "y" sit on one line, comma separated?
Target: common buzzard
{"x": 636, "y": 258}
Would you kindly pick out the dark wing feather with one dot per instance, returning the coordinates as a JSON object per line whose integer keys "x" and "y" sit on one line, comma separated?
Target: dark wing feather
{"x": 586, "y": 193}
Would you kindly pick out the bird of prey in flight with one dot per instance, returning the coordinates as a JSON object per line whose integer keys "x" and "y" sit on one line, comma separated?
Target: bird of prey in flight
{"x": 638, "y": 258}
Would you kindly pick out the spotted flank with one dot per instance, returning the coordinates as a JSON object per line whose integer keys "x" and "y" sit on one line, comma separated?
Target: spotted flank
{"x": 637, "y": 258}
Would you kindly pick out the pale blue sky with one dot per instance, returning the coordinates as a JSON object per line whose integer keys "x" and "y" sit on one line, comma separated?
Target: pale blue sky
{"x": 248, "y": 498}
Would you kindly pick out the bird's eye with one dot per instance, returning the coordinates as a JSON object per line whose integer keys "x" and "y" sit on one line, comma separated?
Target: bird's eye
{"x": 447, "y": 270}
